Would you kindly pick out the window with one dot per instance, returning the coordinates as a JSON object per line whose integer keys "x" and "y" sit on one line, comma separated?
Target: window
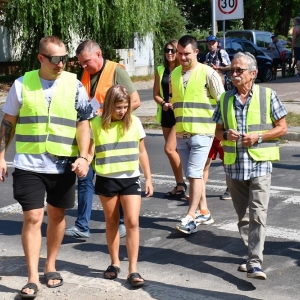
{"x": 236, "y": 47}
{"x": 249, "y": 48}
{"x": 260, "y": 41}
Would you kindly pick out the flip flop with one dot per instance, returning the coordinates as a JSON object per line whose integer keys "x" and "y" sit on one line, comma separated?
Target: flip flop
{"x": 53, "y": 276}
{"x": 112, "y": 269}
{"x": 31, "y": 286}
{"x": 132, "y": 277}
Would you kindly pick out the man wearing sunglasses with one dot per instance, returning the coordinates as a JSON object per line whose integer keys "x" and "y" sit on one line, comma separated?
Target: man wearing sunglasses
{"x": 48, "y": 110}
{"x": 99, "y": 74}
{"x": 194, "y": 90}
{"x": 250, "y": 119}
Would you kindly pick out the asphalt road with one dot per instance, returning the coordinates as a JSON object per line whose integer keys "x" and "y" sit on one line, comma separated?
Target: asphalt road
{"x": 176, "y": 266}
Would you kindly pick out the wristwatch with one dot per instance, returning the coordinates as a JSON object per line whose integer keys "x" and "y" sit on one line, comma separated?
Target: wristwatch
{"x": 259, "y": 138}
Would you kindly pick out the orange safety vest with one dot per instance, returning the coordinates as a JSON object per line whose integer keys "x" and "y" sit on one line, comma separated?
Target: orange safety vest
{"x": 104, "y": 83}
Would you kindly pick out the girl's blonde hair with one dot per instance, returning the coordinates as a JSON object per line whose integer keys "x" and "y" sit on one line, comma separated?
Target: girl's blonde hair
{"x": 116, "y": 94}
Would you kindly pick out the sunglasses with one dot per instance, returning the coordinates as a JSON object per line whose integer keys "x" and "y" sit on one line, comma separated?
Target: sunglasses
{"x": 56, "y": 59}
{"x": 168, "y": 50}
{"x": 237, "y": 71}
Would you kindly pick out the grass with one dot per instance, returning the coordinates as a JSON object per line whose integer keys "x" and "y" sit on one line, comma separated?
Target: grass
{"x": 293, "y": 119}
{"x": 142, "y": 78}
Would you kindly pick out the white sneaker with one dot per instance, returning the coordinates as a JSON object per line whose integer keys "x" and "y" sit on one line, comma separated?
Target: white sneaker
{"x": 203, "y": 219}
{"x": 187, "y": 225}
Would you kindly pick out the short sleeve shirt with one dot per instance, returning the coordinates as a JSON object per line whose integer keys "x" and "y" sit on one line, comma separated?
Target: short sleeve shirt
{"x": 46, "y": 162}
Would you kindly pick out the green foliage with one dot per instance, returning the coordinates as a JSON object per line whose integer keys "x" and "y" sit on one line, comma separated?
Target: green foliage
{"x": 171, "y": 25}
{"x": 112, "y": 23}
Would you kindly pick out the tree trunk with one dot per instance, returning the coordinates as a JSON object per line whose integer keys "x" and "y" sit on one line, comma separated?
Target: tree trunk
{"x": 283, "y": 25}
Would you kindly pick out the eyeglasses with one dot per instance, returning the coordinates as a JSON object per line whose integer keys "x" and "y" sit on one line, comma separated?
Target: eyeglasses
{"x": 56, "y": 59}
{"x": 168, "y": 50}
{"x": 237, "y": 71}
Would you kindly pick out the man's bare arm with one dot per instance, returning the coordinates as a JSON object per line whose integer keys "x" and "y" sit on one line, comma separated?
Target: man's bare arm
{"x": 7, "y": 131}
{"x": 135, "y": 100}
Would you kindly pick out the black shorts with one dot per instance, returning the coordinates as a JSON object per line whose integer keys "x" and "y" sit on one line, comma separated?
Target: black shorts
{"x": 167, "y": 118}
{"x": 110, "y": 187}
{"x": 29, "y": 189}
{"x": 276, "y": 62}
{"x": 297, "y": 53}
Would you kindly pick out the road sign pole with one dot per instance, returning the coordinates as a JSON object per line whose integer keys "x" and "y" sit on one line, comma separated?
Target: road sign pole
{"x": 213, "y": 17}
{"x": 224, "y": 34}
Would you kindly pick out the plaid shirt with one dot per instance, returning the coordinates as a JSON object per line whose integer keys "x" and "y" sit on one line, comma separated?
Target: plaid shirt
{"x": 245, "y": 167}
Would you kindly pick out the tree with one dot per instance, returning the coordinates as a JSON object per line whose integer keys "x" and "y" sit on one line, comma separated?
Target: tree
{"x": 112, "y": 23}
{"x": 170, "y": 26}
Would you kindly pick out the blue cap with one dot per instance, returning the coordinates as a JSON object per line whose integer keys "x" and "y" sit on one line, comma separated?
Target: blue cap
{"x": 211, "y": 38}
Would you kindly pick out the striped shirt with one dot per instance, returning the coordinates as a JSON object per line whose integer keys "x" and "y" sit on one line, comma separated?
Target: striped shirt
{"x": 245, "y": 167}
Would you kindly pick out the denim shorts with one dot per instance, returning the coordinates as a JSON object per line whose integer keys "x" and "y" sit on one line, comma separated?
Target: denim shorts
{"x": 193, "y": 154}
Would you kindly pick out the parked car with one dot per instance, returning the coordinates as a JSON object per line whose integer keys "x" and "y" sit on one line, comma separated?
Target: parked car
{"x": 261, "y": 39}
{"x": 234, "y": 45}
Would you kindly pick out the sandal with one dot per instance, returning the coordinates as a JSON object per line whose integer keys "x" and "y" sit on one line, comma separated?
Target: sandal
{"x": 133, "y": 282}
{"x": 53, "y": 276}
{"x": 178, "y": 194}
{"x": 112, "y": 269}
{"x": 31, "y": 286}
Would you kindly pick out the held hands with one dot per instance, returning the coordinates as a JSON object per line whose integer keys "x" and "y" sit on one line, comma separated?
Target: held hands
{"x": 167, "y": 106}
{"x": 80, "y": 167}
{"x": 148, "y": 188}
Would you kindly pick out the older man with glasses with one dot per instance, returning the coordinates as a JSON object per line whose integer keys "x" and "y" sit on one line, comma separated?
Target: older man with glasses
{"x": 250, "y": 119}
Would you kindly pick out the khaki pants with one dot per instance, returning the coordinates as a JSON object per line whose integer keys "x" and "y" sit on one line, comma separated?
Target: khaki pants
{"x": 250, "y": 199}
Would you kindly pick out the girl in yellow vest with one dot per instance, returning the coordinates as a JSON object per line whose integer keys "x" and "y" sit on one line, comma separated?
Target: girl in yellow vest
{"x": 119, "y": 149}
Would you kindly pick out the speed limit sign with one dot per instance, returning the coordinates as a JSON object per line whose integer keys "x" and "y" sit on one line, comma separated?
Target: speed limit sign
{"x": 229, "y": 9}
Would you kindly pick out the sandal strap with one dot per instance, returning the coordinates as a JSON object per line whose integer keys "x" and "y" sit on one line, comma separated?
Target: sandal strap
{"x": 182, "y": 184}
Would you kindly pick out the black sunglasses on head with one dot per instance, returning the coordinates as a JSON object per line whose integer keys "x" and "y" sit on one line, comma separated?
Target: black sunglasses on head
{"x": 168, "y": 50}
{"x": 56, "y": 59}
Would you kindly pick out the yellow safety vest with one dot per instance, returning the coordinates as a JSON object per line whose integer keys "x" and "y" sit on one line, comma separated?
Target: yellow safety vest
{"x": 192, "y": 108}
{"x": 258, "y": 120}
{"x": 114, "y": 151}
{"x": 39, "y": 130}
{"x": 160, "y": 71}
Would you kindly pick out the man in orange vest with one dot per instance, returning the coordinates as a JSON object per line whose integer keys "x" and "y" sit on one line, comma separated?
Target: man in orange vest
{"x": 99, "y": 74}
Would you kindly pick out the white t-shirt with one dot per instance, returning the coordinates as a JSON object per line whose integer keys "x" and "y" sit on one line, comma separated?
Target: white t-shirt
{"x": 136, "y": 172}
{"x": 46, "y": 162}
{"x": 280, "y": 46}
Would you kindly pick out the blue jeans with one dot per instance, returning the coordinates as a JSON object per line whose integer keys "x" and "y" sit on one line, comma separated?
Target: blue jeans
{"x": 85, "y": 201}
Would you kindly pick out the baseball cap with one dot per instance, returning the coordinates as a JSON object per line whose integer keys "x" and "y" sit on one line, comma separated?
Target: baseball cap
{"x": 273, "y": 35}
{"x": 211, "y": 38}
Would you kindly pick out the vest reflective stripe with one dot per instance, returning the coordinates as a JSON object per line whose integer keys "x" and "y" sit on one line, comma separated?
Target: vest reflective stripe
{"x": 258, "y": 120}
{"x": 115, "y": 146}
{"x": 160, "y": 71}
{"x": 32, "y": 119}
{"x": 105, "y": 81}
{"x": 117, "y": 159}
{"x": 122, "y": 155}
{"x": 192, "y": 108}
{"x": 39, "y": 131}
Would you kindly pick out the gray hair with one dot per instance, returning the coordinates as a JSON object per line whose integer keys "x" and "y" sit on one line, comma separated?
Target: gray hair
{"x": 297, "y": 19}
{"x": 252, "y": 64}
{"x": 88, "y": 45}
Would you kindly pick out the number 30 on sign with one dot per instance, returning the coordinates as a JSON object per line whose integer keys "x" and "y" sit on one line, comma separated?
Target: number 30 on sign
{"x": 229, "y": 9}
